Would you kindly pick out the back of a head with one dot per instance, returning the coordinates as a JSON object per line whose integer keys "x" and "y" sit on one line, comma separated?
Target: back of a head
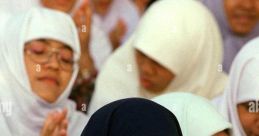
{"x": 132, "y": 117}
{"x": 196, "y": 115}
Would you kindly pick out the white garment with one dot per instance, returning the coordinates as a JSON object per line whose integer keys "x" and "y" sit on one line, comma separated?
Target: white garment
{"x": 120, "y": 9}
{"x": 29, "y": 111}
{"x": 243, "y": 85}
{"x": 196, "y": 115}
{"x": 168, "y": 34}
{"x": 100, "y": 46}
{"x": 15, "y": 6}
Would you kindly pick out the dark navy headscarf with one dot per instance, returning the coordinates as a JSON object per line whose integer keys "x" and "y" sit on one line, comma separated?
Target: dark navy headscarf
{"x": 132, "y": 117}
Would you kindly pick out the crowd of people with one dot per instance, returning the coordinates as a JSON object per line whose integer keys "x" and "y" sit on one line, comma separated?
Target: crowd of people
{"x": 129, "y": 67}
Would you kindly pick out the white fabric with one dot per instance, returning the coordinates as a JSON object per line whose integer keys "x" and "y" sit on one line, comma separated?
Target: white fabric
{"x": 196, "y": 115}
{"x": 191, "y": 50}
{"x": 243, "y": 85}
{"x": 29, "y": 111}
{"x": 14, "y": 6}
{"x": 100, "y": 46}
{"x": 120, "y": 9}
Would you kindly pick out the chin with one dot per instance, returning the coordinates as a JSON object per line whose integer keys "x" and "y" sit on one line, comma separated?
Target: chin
{"x": 155, "y": 91}
{"x": 242, "y": 31}
{"x": 50, "y": 100}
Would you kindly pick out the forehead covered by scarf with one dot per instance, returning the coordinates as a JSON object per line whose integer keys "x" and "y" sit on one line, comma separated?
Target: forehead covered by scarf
{"x": 168, "y": 32}
{"x": 59, "y": 27}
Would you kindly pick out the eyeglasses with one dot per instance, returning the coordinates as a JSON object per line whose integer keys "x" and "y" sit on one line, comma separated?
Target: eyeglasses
{"x": 41, "y": 53}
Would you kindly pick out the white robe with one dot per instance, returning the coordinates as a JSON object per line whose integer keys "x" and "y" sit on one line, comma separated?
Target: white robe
{"x": 28, "y": 110}
{"x": 196, "y": 115}
{"x": 242, "y": 87}
{"x": 172, "y": 36}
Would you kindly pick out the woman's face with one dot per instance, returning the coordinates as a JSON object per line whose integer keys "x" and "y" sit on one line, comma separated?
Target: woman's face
{"x": 61, "y": 5}
{"x": 152, "y": 76}
{"x": 249, "y": 118}
{"x": 49, "y": 65}
{"x": 242, "y": 15}
{"x": 102, "y": 6}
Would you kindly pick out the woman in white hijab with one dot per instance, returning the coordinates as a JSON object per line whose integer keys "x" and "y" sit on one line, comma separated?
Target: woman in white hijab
{"x": 34, "y": 81}
{"x": 197, "y": 117}
{"x": 99, "y": 47}
{"x": 95, "y": 46}
{"x": 173, "y": 52}
{"x": 239, "y": 103}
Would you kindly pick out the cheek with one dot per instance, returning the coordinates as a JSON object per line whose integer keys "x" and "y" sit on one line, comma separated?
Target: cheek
{"x": 257, "y": 10}
{"x": 166, "y": 77}
{"x": 30, "y": 69}
{"x": 246, "y": 119}
{"x": 72, "y": 3}
{"x": 65, "y": 76}
{"x": 47, "y": 3}
{"x": 229, "y": 8}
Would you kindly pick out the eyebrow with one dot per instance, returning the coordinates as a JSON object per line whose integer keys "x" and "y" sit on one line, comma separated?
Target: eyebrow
{"x": 47, "y": 42}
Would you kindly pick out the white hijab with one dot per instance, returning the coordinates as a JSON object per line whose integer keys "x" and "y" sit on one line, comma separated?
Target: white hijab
{"x": 243, "y": 85}
{"x": 170, "y": 34}
{"x": 120, "y": 9}
{"x": 196, "y": 115}
{"x": 29, "y": 111}
{"x": 100, "y": 46}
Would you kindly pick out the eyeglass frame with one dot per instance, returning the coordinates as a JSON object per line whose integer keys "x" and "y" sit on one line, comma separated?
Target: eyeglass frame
{"x": 50, "y": 54}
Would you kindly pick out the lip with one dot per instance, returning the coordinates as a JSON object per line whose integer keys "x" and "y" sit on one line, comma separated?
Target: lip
{"x": 145, "y": 82}
{"x": 49, "y": 80}
{"x": 244, "y": 17}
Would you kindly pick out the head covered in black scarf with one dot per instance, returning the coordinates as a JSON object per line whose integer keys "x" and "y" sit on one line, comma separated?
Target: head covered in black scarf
{"x": 132, "y": 117}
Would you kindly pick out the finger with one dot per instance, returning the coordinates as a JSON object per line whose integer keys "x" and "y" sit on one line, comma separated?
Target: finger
{"x": 122, "y": 24}
{"x": 61, "y": 115}
{"x": 50, "y": 124}
{"x": 64, "y": 114}
{"x": 64, "y": 124}
{"x": 122, "y": 28}
{"x": 88, "y": 13}
{"x": 63, "y": 132}
{"x": 78, "y": 18}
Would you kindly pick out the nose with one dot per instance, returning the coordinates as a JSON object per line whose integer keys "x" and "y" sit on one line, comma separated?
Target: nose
{"x": 53, "y": 62}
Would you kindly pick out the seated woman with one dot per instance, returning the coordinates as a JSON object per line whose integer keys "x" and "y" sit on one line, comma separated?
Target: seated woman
{"x": 171, "y": 50}
{"x": 133, "y": 117}
{"x": 238, "y": 21}
{"x": 197, "y": 117}
{"x": 95, "y": 46}
{"x": 39, "y": 56}
{"x": 239, "y": 103}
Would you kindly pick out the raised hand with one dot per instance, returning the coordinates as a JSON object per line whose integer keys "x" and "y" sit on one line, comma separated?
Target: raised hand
{"x": 118, "y": 33}
{"x": 56, "y": 124}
